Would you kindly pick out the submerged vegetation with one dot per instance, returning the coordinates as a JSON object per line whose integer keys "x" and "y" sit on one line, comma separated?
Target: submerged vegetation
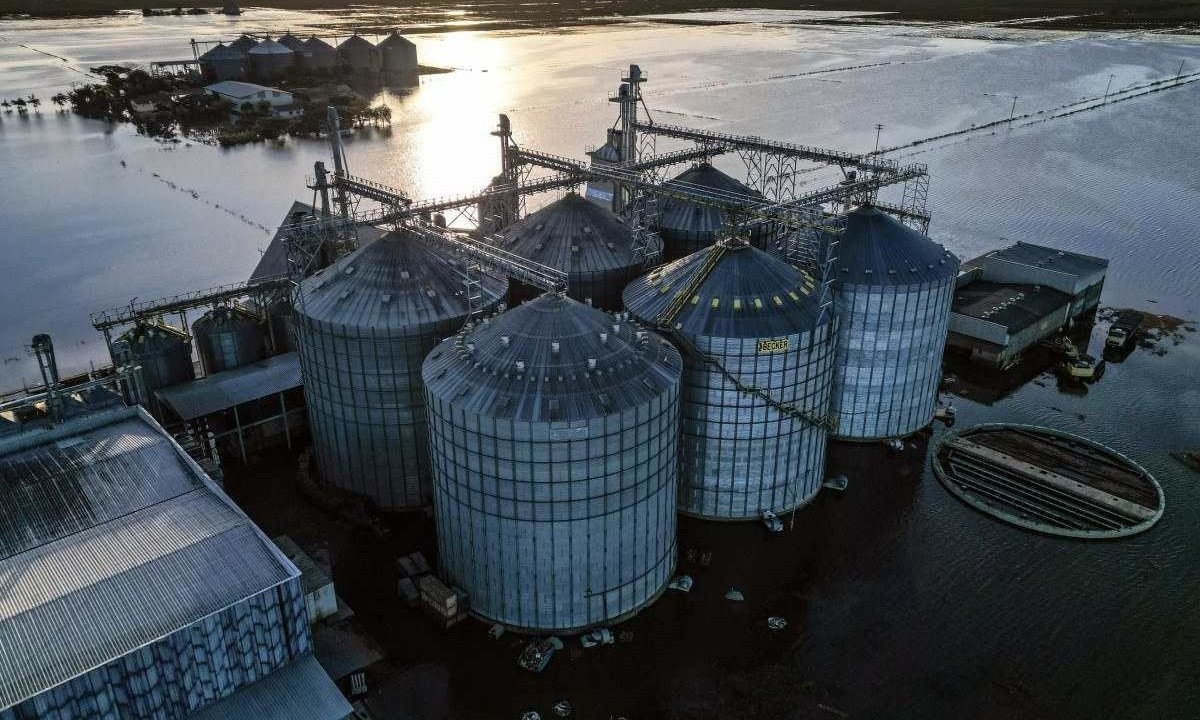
{"x": 165, "y": 106}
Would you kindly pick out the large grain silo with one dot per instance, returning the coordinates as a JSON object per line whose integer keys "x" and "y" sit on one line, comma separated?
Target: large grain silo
{"x": 587, "y": 242}
{"x": 243, "y": 44}
{"x": 758, "y": 370}
{"x": 222, "y": 62}
{"x": 553, "y": 430}
{"x": 228, "y": 337}
{"x": 269, "y": 60}
{"x": 360, "y": 55}
{"x": 320, "y": 55}
{"x": 892, "y": 292}
{"x": 291, "y": 42}
{"x": 362, "y": 327}
{"x": 163, "y": 352}
{"x": 686, "y": 225}
{"x": 398, "y": 55}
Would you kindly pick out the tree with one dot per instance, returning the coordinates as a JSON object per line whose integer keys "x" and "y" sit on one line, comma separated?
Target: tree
{"x": 20, "y": 103}
{"x": 60, "y": 101}
{"x": 6, "y": 105}
{"x": 35, "y": 102}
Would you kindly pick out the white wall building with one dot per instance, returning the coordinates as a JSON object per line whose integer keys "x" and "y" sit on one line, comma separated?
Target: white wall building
{"x": 283, "y": 104}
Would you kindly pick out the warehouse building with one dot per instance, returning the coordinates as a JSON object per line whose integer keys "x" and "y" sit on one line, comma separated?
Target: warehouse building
{"x": 134, "y": 588}
{"x": 1009, "y": 300}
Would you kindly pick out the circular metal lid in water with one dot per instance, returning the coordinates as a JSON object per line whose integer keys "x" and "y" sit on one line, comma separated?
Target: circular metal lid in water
{"x": 394, "y": 284}
{"x": 551, "y": 359}
{"x": 743, "y": 292}
{"x": 878, "y": 249}
{"x": 573, "y": 235}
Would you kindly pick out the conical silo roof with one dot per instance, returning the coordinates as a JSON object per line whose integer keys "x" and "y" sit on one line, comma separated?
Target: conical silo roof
{"x": 396, "y": 39}
{"x": 291, "y": 42}
{"x": 222, "y": 52}
{"x": 394, "y": 285}
{"x": 692, "y": 217}
{"x": 744, "y": 292}
{"x": 243, "y": 44}
{"x": 269, "y": 47}
{"x": 572, "y": 235}
{"x": 878, "y": 249}
{"x": 316, "y": 44}
{"x": 356, "y": 43}
{"x": 551, "y": 359}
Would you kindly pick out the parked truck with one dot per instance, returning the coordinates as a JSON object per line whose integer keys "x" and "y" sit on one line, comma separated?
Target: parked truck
{"x": 1124, "y": 328}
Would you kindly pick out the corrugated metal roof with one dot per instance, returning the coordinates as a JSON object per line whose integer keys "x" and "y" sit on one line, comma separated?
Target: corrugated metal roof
{"x": 291, "y": 42}
{"x": 223, "y": 390}
{"x": 312, "y": 577}
{"x": 878, "y": 249}
{"x": 573, "y": 235}
{"x": 356, "y": 43}
{"x": 222, "y": 52}
{"x": 243, "y": 43}
{"x": 1016, "y": 307}
{"x": 576, "y": 362}
{"x": 299, "y": 690}
{"x": 690, "y": 217}
{"x": 112, "y": 539}
{"x": 239, "y": 89}
{"x": 317, "y": 45}
{"x": 748, "y": 293}
{"x": 396, "y": 283}
{"x": 1048, "y": 258}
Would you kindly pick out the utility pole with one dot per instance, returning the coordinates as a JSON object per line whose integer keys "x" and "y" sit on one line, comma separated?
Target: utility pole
{"x": 1109, "y": 86}
{"x": 1013, "y": 111}
{"x": 1179, "y": 72}
{"x": 878, "y": 132}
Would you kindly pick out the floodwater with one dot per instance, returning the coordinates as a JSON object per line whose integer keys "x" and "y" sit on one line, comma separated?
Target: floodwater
{"x": 902, "y": 603}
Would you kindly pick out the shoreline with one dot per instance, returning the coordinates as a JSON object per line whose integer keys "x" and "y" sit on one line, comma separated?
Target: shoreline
{"x": 1183, "y": 17}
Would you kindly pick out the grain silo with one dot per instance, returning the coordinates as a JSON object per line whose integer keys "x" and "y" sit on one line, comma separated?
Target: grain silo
{"x": 222, "y": 62}
{"x": 228, "y": 337}
{"x": 587, "y": 242}
{"x": 893, "y": 288}
{"x": 398, "y": 55}
{"x": 320, "y": 55}
{"x": 291, "y": 42}
{"x": 163, "y": 352}
{"x": 269, "y": 60}
{"x": 687, "y": 225}
{"x": 362, "y": 327}
{"x": 758, "y": 357}
{"x": 359, "y": 54}
{"x": 553, "y": 431}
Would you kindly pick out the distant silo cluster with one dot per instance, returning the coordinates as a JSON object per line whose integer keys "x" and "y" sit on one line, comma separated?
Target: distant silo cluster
{"x": 270, "y": 60}
{"x": 227, "y": 337}
{"x": 893, "y": 289}
{"x": 553, "y": 434}
{"x": 264, "y": 59}
{"x": 362, "y": 327}
{"x": 587, "y": 242}
{"x": 398, "y": 55}
{"x": 758, "y": 370}
{"x": 359, "y": 55}
{"x": 686, "y": 226}
{"x": 222, "y": 62}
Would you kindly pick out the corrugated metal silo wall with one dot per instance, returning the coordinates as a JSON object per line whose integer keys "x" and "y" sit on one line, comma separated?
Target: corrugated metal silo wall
{"x": 557, "y": 526}
{"x": 741, "y": 456}
{"x": 889, "y": 357}
{"x": 366, "y": 407}
{"x": 228, "y": 343}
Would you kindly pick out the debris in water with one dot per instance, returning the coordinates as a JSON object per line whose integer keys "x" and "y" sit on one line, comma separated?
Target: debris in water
{"x": 562, "y": 708}
{"x": 777, "y": 623}
{"x": 531, "y": 715}
{"x": 600, "y": 636}
{"x": 683, "y": 583}
{"x": 734, "y": 595}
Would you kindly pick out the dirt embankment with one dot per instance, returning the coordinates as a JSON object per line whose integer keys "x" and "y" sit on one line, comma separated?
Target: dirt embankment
{"x": 511, "y": 13}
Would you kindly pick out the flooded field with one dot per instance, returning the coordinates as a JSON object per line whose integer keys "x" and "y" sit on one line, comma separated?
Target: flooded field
{"x": 902, "y": 603}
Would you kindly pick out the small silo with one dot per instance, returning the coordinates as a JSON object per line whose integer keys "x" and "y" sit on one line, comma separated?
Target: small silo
{"x": 686, "y": 226}
{"x": 587, "y": 242}
{"x": 498, "y": 211}
{"x": 758, "y": 357}
{"x": 293, "y": 43}
{"x": 359, "y": 55}
{"x": 163, "y": 352}
{"x": 269, "y": 60}
{"x": 601, "y": 192}
{"x": 222, "y": 62}
{"x": 228, "y": 337}
{"x": 553, "y": 433}
{"x": 398, "y": 55}
{"x": 362, "y": 327}
{"x": 893, "y": 288}
{"x": 320, "y": 55}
